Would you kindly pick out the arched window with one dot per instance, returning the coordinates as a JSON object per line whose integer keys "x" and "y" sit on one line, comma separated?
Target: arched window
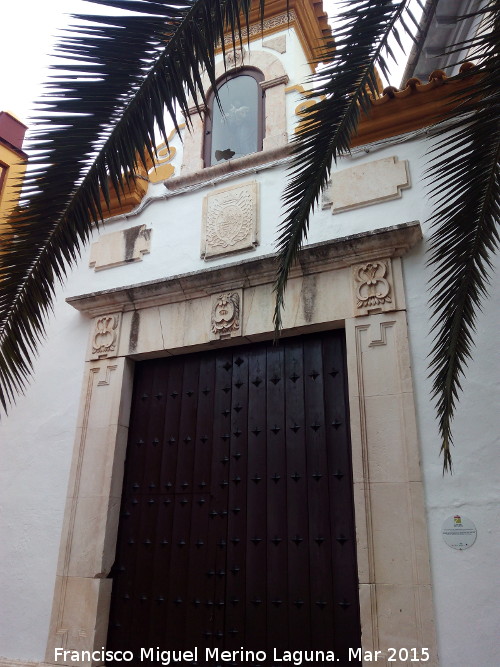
{"x": 235, "y": 127}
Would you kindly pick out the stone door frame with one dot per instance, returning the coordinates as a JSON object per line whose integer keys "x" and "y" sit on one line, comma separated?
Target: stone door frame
{"x": 355, "y": 282}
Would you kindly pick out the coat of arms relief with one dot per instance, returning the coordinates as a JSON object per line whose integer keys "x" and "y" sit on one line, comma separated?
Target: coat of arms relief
{"x": 226, "y": 314}
{"x": 230, "y": 220}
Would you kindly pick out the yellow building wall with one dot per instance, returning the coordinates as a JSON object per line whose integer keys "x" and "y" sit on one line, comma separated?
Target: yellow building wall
{"x": 12, "y": 170}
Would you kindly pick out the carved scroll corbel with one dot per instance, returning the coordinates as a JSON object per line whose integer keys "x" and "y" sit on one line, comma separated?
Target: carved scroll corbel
{"x": 105, "y": 336}
{"x": 373, "y": 288}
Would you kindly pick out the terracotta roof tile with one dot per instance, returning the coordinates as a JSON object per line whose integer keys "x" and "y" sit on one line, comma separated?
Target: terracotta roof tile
{"x": 415, "y": 106}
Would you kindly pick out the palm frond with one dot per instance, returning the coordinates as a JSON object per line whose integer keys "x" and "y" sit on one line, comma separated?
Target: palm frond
{"x": 345, "y": 84}
{"x": 465, "y": 166}
{"x": 117, "y": 77}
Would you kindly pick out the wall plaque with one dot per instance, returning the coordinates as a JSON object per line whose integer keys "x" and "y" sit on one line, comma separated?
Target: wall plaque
{"x": 459, "y": 532}
{"x": 366, "y": 184}
{"x": 230, "y": 219}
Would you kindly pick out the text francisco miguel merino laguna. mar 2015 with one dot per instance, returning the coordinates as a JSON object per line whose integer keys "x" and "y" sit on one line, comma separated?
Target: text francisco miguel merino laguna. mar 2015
{"x": 216, "y": 655}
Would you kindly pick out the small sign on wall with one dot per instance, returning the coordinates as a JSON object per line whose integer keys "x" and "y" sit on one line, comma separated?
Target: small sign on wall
{"x": 459, "y": 532}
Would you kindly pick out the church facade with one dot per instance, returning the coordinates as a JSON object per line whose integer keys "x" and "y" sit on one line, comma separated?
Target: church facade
{"x": 173, "y": 476}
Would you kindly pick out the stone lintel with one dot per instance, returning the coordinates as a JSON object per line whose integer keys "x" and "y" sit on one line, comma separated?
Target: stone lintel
{"x": 392, "y": 241}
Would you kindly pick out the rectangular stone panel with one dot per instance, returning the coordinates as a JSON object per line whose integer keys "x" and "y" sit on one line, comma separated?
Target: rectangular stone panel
{"x": 366, "y": 184}
{"x": 118, "y": 248}
{"x": 230, "y": 220}
{"x": 78, "y": 622}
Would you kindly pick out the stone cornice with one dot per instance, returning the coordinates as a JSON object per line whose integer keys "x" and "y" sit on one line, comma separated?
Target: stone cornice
{"x": 261, "y": 158}
{"x": 392, "y": 241}
{"x": 279, "y": 80}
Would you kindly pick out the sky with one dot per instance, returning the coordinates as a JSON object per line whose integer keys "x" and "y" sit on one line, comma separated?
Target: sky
{"x": 27, "y": 36}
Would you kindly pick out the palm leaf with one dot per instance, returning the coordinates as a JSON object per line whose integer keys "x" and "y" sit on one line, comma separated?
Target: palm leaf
{"x": 465, "y": 166}
{"x": 345, "y": 85}
{"x": 97, "y": 120}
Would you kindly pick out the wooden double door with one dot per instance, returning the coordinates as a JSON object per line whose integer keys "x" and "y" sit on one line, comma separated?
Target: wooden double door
{"x": 237, "y": 521}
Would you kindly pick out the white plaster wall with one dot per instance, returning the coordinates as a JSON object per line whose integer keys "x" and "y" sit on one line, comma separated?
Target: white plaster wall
{"x": 175, "y": 221}
{"x": 36, "y": 442}
{"x": 465, "y": 583}
{"x": 37, "y": 436}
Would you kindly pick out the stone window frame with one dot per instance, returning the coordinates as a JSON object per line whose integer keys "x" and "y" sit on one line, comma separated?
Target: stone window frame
{"x": 258, "y": 76}
{"x": 275, "y": 136}
{"x": 148, "y": 320}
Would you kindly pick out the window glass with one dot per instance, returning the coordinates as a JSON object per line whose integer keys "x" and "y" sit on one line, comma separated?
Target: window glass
{"x": 235, "y": 128}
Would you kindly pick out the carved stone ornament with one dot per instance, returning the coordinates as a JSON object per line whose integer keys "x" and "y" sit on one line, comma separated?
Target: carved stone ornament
{"x": 372, "y": 287}
{"x": 105, "y": 336}
{"x": 276, "y": 43}
{"x": 235, "y": 58}
{"x": 225, "y": 320}
{"x": 271, "y": 23}
{"x": 230, "y": 221}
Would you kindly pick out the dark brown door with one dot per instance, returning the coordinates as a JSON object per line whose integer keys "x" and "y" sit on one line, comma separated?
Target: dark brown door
{"x": 237, "y": 526}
